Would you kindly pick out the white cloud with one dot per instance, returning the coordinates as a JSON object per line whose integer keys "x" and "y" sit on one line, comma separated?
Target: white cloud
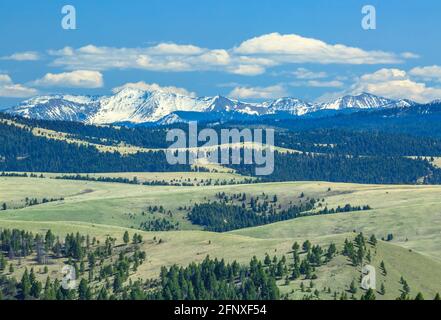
{"x": 78, "y": 79}
{"x": 4, "y": 78}
{"x": 14, "y": 90}
{"x": 325, "y": 84}
{"x": 154, "y": 87}
{"x": 292, "y": 48}
{"x": 247, "y": 70}
{"x": 427, "y": 73}
{"x": 23, "y": 56}
{"x": 216, "y": 57}
{"x": 410, "y": 55}
{"x": 173, "y": 48}
{"x": 395, "y": 84}
{"x": 251, "y": 57}
{"x": 246, "y": 92}
{"x": 303, "y": 73}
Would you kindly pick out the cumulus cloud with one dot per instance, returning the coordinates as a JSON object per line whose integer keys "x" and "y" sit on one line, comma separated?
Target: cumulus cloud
{"x": 427, "y": 73}
{"x": 176, "y": 49}
{"x": 395, "y": 84}
{"x": 247, "y": 92}
{"x": 251, "y": 57}
{"x": 78, "y": 79}
{"x": 247, "y": 70}
{"x": 13, "y": 90}
{"x": 154, "y": 87}
{"x": 292, "y": 48}
{"x": 163, "y": 57}
{"x": 23, "y": 56}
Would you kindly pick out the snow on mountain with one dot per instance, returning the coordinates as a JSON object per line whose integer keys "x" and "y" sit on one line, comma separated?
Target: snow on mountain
{"x": 362, "y": 101}
{"x": 133, "y": 105}
{"x": 58, "y": 107}
{"x": 291, "y": 106}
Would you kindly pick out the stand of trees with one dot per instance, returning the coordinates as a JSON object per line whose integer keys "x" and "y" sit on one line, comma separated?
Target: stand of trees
{"x": 217, "y": 280}
{"x": 356, "y": 142}
{"x": 343, "y": 168}
{"x": 20, "y": 150}
{"x": 102, "y": 272}
{"x": 223, "y": 217}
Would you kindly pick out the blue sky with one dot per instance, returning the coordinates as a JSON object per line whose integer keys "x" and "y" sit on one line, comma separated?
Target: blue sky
{"x": 250, "y": 50}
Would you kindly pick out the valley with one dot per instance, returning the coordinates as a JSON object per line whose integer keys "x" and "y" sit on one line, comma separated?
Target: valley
{"x": 219, "y": 159}
{"x": 410, "y": 213}
{"x": 113, "y": 184}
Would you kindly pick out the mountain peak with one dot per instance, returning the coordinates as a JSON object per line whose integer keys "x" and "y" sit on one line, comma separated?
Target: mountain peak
{"x": 139, "y": 105}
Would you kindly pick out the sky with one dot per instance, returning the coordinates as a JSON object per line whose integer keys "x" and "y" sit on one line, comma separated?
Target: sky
{"x": 249, "y": 50}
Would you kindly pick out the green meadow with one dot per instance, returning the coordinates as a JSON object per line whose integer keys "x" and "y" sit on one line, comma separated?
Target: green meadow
{"x": 412, "y": 214}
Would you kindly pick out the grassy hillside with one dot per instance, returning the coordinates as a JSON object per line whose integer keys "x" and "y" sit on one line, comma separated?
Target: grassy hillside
{"x": 184, "y": 247}
{"x": 411, "y": 213}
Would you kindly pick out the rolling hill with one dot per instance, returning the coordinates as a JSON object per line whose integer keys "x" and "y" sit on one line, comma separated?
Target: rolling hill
{"x": 101, "y": 209}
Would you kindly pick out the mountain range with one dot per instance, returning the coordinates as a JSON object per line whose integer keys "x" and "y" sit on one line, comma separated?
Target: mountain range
{"x": 136, "y": 106}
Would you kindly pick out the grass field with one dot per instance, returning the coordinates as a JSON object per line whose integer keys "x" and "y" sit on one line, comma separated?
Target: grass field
{"x": 411, "y": 213}
{"x": 188, "y": 177}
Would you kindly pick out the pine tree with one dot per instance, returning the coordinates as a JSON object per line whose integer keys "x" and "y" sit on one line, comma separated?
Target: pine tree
{"x": 383, "y": 268}
{"x": 353, "y": 287}
{"x": 306, "y": 246}
{"x": 84, "y": 292}
{"x": 49, "y": 292}
{"x": 296, "y": 271}
{"x": 369, "y": 295}
{"x": 369, "y": 257}
{"x": 295, "y": 247}
{"x": 25, "y": 285}
{"x": 117, "y": 283}
{"x": 373, "y": 240}
{"x": 126, "y": 238}
{"x": 36, "y": 289}
{"x": 332, "y": 250}
{"x": 382, "y": 289}
{"x": 267, "y": 260}
{"x": 3, "y": 262}
{"x": 419, "y": 296}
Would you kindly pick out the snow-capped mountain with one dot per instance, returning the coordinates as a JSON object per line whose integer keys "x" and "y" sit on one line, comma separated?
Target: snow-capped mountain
{"x": 364, "y": 101}
{"x": 291, "y": 106}
{"x": 58, "y": 107}
{"x": 131, "y": 105}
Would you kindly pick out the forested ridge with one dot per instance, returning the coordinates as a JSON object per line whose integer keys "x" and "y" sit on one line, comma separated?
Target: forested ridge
{"x": 344, "y": 142}
{"x": 20, "y": 150}
{"x": 327, "y": 154}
